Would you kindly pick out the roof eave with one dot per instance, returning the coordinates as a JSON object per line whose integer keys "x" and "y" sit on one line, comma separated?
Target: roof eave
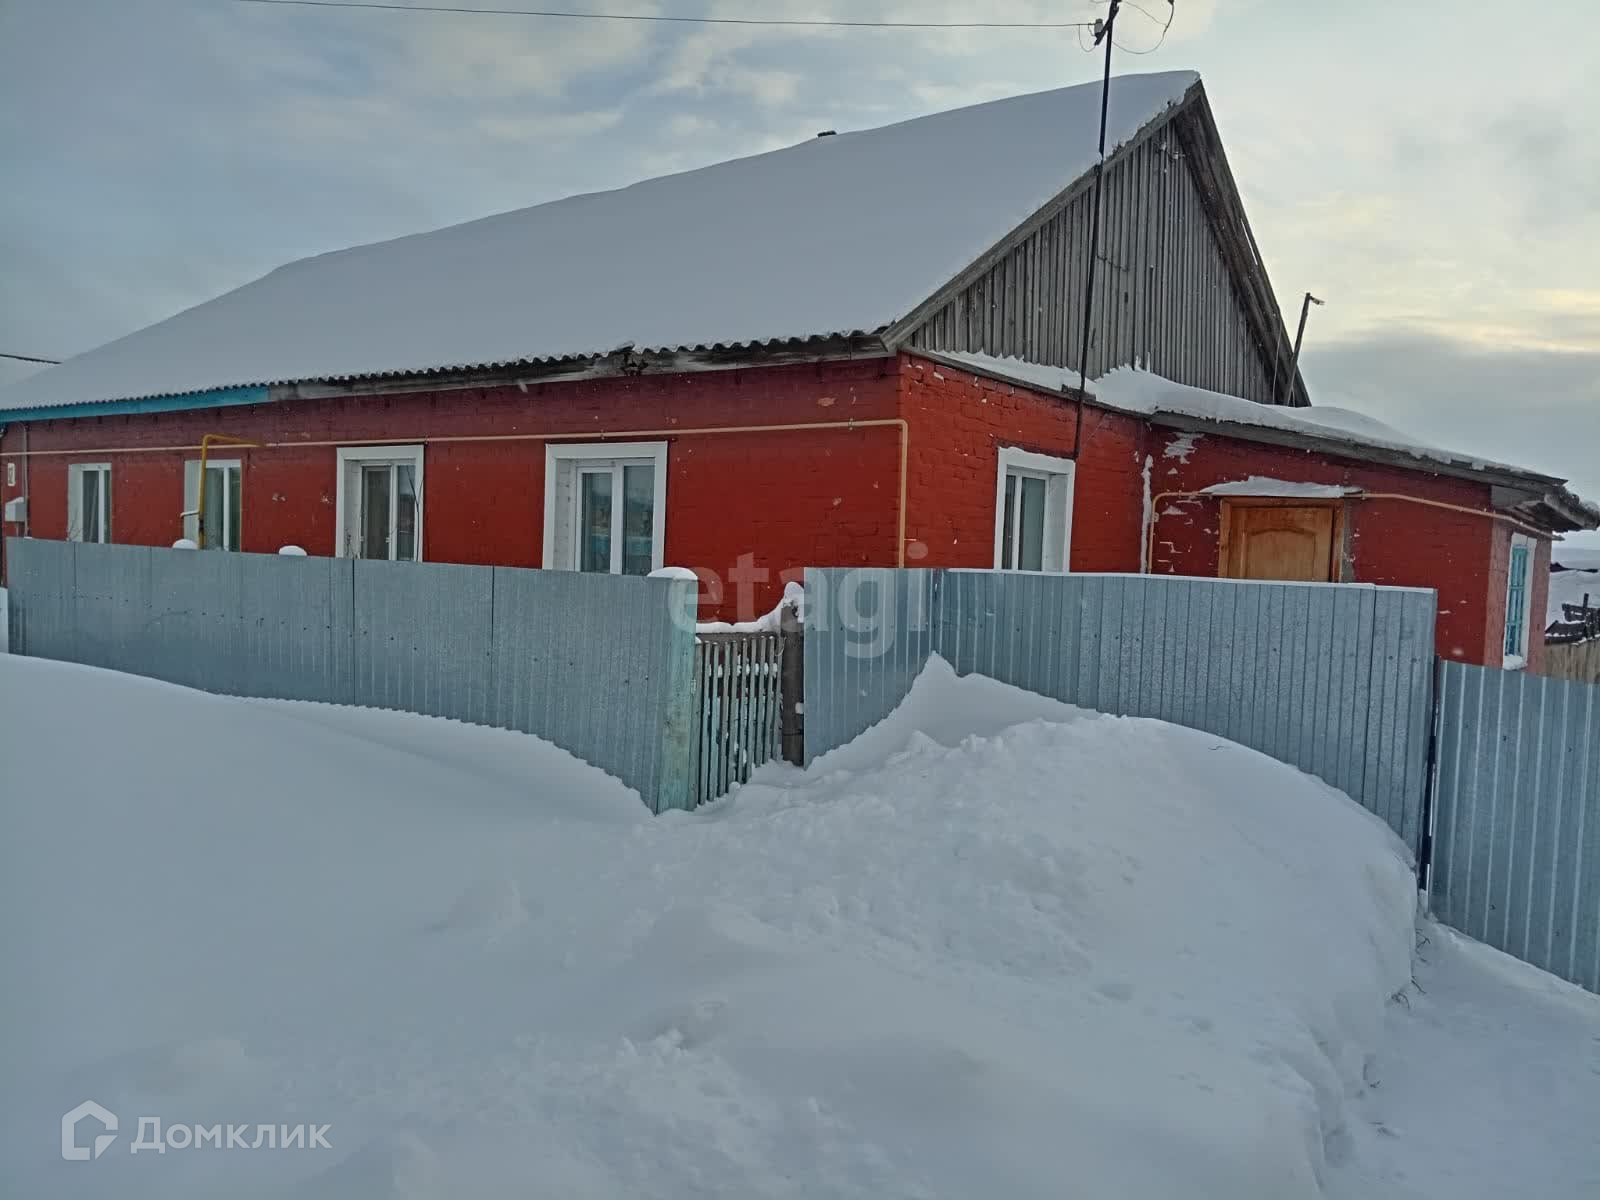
{"x": 620, "y": 362}
{"x": 1527, "y": 482}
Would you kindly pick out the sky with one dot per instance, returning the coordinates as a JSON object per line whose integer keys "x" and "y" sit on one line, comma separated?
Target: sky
{"x": 1428, "y": 168}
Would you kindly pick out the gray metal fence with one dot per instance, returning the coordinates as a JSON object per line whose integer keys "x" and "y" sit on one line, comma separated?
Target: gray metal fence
{"x": 1335, "y": 679}
{"x": 738, "y": 709}
{"x": 1516, "y": 853}
{"x": 600, "y": 665}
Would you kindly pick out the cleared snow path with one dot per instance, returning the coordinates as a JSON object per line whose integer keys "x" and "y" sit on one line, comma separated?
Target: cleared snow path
{"x": 1487, "y": 1085}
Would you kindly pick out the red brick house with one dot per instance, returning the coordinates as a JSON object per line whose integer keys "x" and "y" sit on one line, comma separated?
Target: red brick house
{"x": 809, "y": 357}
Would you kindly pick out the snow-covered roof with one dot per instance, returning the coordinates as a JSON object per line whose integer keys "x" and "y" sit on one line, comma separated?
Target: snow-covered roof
{"x": 837, "y": 235}
{"x": 1145, "y": 394}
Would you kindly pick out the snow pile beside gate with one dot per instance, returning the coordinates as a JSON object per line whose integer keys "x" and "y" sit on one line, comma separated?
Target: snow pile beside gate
{"x": 1076, "y": 955}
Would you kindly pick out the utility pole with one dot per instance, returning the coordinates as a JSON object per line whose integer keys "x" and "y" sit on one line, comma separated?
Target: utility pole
{"x": 1299, "y": 334}
{"x": 1102, "y": 33}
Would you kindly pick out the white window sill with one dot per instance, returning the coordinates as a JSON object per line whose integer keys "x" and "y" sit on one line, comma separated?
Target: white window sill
{"x": 1514, "y": 662}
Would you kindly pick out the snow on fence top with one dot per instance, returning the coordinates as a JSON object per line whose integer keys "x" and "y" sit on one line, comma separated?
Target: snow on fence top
{"x": 836, "y": 235}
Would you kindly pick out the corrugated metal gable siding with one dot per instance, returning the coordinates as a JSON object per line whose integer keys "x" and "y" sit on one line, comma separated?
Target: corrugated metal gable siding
{"x": 1335, "y": 679}
{"x": 1164, "y": 295}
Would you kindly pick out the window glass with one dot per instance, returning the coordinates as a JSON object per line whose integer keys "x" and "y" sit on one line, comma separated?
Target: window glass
{"x": 89, "y": 504}
{"x": 216, "y": 510}
{"x": 638, "y": 528}
{"x": 1030, "y": 525}
{"x": 375, "y": 512}
{"x": 405, "y": 512}
{"x": 235, "y": 481}
{"x": 1008, "y": 560}
{"x": 1517, "y": 599}
{"x": 594, "y": 521}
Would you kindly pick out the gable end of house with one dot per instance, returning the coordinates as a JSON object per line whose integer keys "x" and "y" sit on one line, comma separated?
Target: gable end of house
{"x": 1180, "y": 288}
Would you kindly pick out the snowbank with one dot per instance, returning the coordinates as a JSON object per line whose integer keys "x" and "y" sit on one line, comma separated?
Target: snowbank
{"x": 964, "y": 957}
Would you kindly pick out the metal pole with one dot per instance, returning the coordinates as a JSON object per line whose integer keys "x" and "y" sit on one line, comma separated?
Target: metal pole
{"x": 1103, "y": 33}
{"x": 1300, "y": 333}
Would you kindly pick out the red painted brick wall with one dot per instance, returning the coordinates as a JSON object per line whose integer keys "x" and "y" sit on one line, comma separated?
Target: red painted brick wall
{"x": 958, "y": 423}
{"x": 777, "y": 501}
{"x": 756, "y": 508}
{"x": 1394, "y": 542}
{"x": 959, "y": 420}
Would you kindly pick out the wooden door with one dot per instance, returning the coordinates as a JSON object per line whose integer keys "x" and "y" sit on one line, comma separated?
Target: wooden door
{"x": 1265, "y": 539}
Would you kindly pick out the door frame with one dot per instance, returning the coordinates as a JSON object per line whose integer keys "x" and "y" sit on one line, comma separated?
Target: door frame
{"x": 1336, "y": 547}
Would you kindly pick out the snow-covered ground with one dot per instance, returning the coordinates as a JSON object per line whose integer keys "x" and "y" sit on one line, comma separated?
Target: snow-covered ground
{"x": 1487, "y": 1085}
{"x": 995, "y": 947}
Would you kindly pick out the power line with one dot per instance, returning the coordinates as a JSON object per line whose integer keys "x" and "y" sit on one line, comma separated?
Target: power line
{"x": 49, "y": 362}
{"x": 567, "y": 14}
{"x": 1172, "y": 10}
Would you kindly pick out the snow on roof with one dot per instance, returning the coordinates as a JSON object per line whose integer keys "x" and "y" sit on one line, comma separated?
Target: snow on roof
{"x": 836, "y": 235}
{"x": 1262, "y": 485}
{"x": 1146, "y": 394}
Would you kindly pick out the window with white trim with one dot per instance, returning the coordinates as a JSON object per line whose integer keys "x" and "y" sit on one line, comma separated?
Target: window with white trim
{"x": 89, "y": 502}
{"x": 1032, "y": 511}
{"x": 224, "y": 478}
{"x": 605, "y": 507}
{"x": 1519, "y": 588}
{"x": 379, "y": 502}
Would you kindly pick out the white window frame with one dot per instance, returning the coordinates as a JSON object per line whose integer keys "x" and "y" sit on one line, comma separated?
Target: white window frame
{"x": 562, "y": 457}
{"x": 1059, "y": 475}
{"x": 347, "y": 493}
{"x": 1519, "y": 660}
{"x": 191, "y": 504}
{"x": 75, "y": 473}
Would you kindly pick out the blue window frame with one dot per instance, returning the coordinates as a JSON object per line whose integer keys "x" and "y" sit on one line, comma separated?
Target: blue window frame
{"x": 1519, "y": 579}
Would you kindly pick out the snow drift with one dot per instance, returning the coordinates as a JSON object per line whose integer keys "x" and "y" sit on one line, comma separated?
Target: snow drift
{"x": 999, "y": 946}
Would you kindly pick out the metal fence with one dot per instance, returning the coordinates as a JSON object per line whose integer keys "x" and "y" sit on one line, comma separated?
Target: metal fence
{"x": 738, "y": 708}
{"x": 1335, "y": 679}
{"x": 1516, "y": 852}
{"x": 600, "y": 665}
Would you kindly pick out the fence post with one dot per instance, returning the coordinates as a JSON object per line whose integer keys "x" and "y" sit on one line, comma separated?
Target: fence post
{"x": 674, "y": 782}
{"x": 792, "y": 689}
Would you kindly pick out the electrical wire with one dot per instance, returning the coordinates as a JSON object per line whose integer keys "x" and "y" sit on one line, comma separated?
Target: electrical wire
{"x": 568, "y": 14}
{"x": 1172, "y": 11}
{"x": 49, "y": 362}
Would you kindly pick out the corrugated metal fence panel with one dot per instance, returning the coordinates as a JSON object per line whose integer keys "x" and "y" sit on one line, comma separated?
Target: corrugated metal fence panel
{"x": 1516, "y": 858}
{"x": 289, "y": 626}
{"x": 40, "y": 575}
{"x": 600, "y": 666}
{"x": 422, "y": 638}
{"x": 1335, "y": 679}
{"x": 875, "y": 636}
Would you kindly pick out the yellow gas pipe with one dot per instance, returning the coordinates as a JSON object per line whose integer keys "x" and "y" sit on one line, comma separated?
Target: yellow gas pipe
{"x": 206, "y": 442}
